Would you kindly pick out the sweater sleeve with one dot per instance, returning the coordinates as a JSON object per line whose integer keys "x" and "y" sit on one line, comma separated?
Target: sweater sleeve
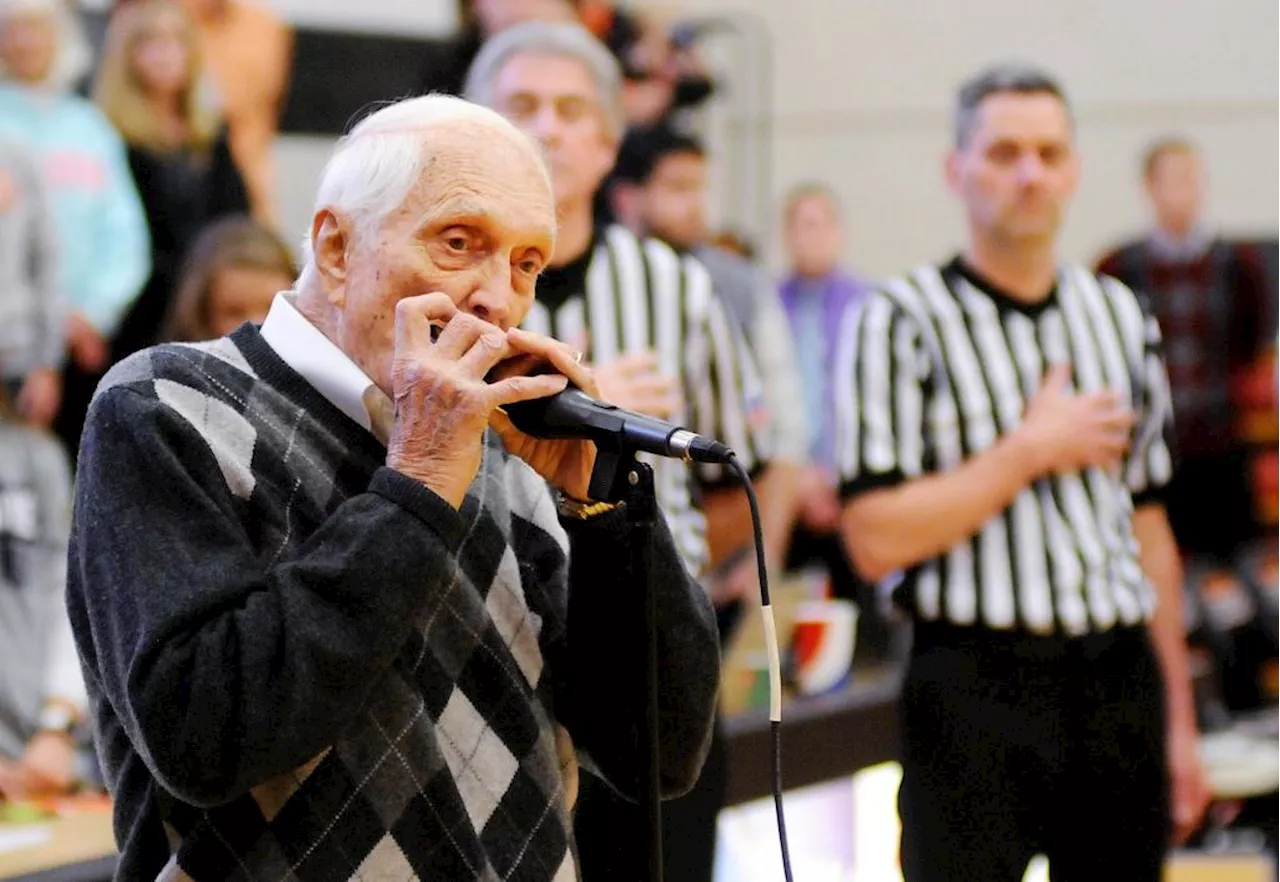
{"x": 224, "y": 668}
{"x": 600, "y": 687}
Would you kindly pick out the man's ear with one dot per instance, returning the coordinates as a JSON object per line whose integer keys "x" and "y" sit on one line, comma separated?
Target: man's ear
{"x": 951, "y": 171}
{"x": 331, "y": 238}
{"x": 625, "y": 198}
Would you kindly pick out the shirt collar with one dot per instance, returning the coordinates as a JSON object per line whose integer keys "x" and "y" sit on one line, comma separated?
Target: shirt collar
{"x": 327, "y": 368}
{"x": 1184, "y": 249}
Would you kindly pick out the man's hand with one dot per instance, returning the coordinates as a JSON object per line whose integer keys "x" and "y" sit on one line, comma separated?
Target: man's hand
{"x": 40, "y": 397}
{"x": 1063, "y": 432}
{"x": 87, "y": 346}
{"x": 1189, "y": 785}
{"x": 443, "y": 403}
{"x": 566, "y": 463}
{"x": 46, "y": 768}
{"x": 819, "y": 507}
{"x": 48, "y": 764}
{"x": 634, "y": 383}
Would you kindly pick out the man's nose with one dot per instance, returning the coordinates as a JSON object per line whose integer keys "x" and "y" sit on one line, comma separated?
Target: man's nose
{"x": 492, "y": 300}
{"x": 545, "y": 124}
{"x": 1031, "y": 169}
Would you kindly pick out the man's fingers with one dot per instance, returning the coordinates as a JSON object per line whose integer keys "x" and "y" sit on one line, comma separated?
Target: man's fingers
{"x": 562, "y": 357}
{"x": 460, "y": 334}
{"x": 1056, "y": 379}
{"x": 489, "y": 349}
{"x": 635, "y": 363}
{"x": 514, "y": 389}
{"x": 415, "y": 315}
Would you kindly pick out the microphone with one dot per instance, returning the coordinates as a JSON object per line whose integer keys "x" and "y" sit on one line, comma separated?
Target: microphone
{"x": 573, "y": 413}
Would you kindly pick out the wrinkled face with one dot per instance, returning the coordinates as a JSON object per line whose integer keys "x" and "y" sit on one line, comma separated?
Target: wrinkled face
{"x": 814, "y": 237}
{"x": 239, "y": 294}
{"x": 554, "y": 98}
{"x": 1018, "y": 170}
{"x": 28, "y": 43}
{"x": 1176, "y": 188}
{"x": 479, "y": 225}
{"x": 673, "y": 203}
{"x": 159, "y": 57}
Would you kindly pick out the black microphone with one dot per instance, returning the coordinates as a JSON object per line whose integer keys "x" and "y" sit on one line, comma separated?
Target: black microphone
{"x": 573, "y": 413}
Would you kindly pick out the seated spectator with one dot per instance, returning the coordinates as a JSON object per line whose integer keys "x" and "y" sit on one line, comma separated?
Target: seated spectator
{"x": 660, "y": 190}
{"x": 150, "y": 86}
{"x": 1210, "y": 297}
{"x": 232, "y": 273}
{"x": 249, "y": 52}
{"x": 101, "y": 229}
{"x": 32, "y": 335}
{"x": 815, "y": 294}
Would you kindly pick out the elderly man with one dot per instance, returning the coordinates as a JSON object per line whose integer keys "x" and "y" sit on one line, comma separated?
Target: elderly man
{"x": 335, "y": 624}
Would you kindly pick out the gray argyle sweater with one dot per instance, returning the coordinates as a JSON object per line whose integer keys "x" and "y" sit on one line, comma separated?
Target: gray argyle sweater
{"x": 305, "y": 666}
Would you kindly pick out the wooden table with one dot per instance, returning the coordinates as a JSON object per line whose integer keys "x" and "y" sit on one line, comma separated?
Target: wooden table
{"x": 81, "y": 849}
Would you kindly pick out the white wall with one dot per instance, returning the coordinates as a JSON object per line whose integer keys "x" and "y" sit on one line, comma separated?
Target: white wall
{"x": 863, "y": 89}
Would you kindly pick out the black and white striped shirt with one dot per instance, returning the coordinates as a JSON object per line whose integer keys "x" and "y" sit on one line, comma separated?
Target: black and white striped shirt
{"x": 628, "y": 295}
{"x": 935, "y": 367}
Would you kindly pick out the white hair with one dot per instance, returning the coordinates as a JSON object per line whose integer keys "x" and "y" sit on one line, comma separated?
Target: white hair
{"x": 72, "y": 55}
{"x": 557, "y": 39}
{"x": 373, "y": 167}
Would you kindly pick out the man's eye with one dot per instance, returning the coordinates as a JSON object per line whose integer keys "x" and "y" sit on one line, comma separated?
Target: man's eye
{"x": 456, "y": 243}
{"x": 530, "y": 267}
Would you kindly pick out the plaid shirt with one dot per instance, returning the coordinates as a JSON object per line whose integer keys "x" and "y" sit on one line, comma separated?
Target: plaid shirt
{"x": 305, "y": 666}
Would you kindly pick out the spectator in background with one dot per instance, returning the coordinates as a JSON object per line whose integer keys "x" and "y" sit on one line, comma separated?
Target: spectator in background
{"x": 1210, "y": 297}
{"x": 41, "y": 694}
{"x": 42, "y": 698}
{"x": 248, "y": 50}
{"x": 149, "y": 86}
{"x": 101, "y": 229}
{"x": 660, "y": 190}
{"x": 233, "y": 271}
{"x": 815, "y": 295}
{"x": 660, "y": 341}
{"x": 480, "y": 20}
{"x": 32, "y": 330}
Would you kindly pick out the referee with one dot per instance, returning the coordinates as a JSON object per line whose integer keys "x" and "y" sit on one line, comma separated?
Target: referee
{"x": 1002, "y": 442}
{"x": 659, "y": 341}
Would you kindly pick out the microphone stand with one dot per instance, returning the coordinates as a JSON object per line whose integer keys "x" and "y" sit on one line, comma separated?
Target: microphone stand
{"x": 619, "y": 477}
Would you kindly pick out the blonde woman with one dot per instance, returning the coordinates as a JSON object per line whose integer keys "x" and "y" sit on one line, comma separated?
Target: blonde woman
{"x": 152, "y": 86}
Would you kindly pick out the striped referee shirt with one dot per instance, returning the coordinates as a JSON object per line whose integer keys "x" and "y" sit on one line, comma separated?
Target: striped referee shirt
{"x": 626, "y": 295}
{"x": 935, "y": 367}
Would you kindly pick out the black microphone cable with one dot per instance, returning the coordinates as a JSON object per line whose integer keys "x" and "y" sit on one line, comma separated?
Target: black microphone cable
{"x": 775, "y": 667}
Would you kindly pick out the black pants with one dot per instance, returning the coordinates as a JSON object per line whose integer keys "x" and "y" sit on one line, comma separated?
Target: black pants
{"x": 1015, "y": 746}
{"x": 1211, "y": 506}
{"x": 611, "y": 832}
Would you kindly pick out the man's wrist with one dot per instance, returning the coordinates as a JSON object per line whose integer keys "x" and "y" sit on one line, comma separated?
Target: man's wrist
{"x": 1023, "y": 455}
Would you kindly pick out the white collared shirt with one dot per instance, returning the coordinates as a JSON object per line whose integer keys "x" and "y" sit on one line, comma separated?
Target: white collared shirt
{"x": 327, "y": 368}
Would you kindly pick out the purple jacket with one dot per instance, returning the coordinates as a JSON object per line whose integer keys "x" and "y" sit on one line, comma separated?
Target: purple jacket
{"x": 841, "y": 291}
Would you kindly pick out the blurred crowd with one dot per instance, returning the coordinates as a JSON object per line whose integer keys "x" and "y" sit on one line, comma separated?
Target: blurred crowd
{"x": 138, "y": 205}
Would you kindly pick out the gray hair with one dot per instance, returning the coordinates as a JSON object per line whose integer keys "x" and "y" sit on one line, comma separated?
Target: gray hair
{"x": 72, "y": 54}
{"x": 373, "y": 168}
{"x": 1017, "y": 79}
{"x": 550, "y": 38}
